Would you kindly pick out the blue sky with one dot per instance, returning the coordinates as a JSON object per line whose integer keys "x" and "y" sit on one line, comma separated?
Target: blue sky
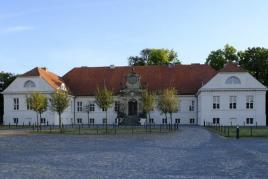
{"x": 62, "y": 34}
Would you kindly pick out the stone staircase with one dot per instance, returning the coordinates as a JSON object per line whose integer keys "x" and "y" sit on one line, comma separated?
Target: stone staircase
{"x": 131, "y": 121}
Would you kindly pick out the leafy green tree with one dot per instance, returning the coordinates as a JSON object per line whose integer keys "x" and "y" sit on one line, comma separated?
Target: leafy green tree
{"x": 218, "y": 58}
{"x": 169, "y": 102}
{"x": 5, "y": 80}
{"x": 148, "y": 101}
{"x": 163, "y": 105}
{"x": 59, "y": 102}
{"x": 255, "y": 61}
{"x": 104, "y": 99}
{"x": 38, "y": 103}
{"x": 154, "y": 57}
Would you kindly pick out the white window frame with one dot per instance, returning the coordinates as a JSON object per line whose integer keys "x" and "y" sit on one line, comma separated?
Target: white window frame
{"x": 92, "y": 107}
{"x": 216, "y": 102}
{"x": 249, "y": 102}
{"x": 250, "y": 121}
{"x": 79, "y": 121}
{"x": 16, "y": 105}
{"x": 79, "y": 106}
{"x": 232, "y": 102}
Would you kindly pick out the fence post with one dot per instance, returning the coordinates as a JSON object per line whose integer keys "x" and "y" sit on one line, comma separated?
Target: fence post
{"x": 237, "y": 132}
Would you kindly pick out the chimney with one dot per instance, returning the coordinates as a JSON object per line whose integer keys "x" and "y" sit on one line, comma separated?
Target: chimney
{"x": 44, "y": 68}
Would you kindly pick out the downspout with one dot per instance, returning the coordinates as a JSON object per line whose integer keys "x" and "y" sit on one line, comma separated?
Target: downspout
{"x": 197, "y": 109}
{"x": 74, "y": 110}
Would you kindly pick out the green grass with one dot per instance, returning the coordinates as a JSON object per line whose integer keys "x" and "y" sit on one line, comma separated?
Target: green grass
{"x": 102, "y": 131}
{"x": 243, "y": 131}
{"x": 15, "y": 127}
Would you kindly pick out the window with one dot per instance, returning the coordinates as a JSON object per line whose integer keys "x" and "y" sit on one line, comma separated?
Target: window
{"x": 43, "y": 120}
{"x": 91, "y": 120}
{"x": 216, "y": 102}
{"x": 16, "y": 120}
{"x": 192, "y": 121}
{"x": 79, "y": 106}
{"x": 29, "y": 84}
{"x": 151, "y": 120}
{"x": 177, "y": 121}
{"x": 92, "y": 107}
{"x": 249, "y": 121}
{"x": 29, "y": 104}
{"x": 233, "y": 80}
{"x": 249, "y": 104}
{"x": 16, "y": 103}
{"x": 191, "y": 108}
{"x": 216, "y": 120}
{"x": 79, "y": 120}
{"x": 103, "y": 109}
{"x": 104, "y": 120}
{"x": 116, "y": 106}
{"x": 232, "y": 104}
{"x": 164, "y": 121}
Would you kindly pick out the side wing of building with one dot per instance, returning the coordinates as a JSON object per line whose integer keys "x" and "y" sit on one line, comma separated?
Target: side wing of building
{"x": 232, "y": 97}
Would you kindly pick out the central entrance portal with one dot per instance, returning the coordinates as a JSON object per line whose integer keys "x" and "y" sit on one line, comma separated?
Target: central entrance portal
{"x": 132, "y": 108}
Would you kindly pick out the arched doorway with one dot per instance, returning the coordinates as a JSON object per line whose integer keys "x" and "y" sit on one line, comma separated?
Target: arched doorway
{"x": 132, "y": 108}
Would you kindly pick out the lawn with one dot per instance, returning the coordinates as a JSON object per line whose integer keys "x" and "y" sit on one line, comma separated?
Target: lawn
{"x": 109, "y": 131}
{"x": 228, "y": 131}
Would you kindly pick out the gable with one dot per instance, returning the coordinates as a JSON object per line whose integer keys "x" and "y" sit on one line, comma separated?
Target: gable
{"x": 29, "y": 84}
{"x": 233, "y": 80}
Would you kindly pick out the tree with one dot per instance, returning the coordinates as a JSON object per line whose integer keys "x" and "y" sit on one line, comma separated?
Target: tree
{"x": 163, "y": 105}
{"x": 38, "y": 103}
{"x": 217, "y": 59}
{"x": 5, "y": 80}
{"x": 255, "y": 61}
{"x": 148, "y": 101}
{"x": 104, "y": 99}
{"x": 87, "y": 110}
{"x": 154, "y": 57}
{"x": 60, "y": 101}
{"x": 169, "y": 102}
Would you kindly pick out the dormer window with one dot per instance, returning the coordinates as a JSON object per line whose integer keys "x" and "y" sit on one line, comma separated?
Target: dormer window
{"x": 233, "y": 80}
{"x": 29, "y": 84}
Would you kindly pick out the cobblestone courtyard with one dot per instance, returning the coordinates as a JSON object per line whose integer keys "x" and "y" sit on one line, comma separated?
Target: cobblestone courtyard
{"x": 191, "y": 153}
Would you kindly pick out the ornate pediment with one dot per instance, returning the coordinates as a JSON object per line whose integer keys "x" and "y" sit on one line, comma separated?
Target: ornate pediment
{"x": 133, "y": 81}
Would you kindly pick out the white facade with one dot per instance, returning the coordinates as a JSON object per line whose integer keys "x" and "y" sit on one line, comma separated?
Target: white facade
{"x": 219, "y": 91}
{"x": 211, "y": 104}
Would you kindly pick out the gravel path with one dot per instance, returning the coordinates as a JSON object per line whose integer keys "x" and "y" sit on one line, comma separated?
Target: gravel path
{"x": 191, "y": 153}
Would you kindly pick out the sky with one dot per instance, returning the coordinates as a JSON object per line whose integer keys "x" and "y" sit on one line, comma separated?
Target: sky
{"x": 63, "y": 34}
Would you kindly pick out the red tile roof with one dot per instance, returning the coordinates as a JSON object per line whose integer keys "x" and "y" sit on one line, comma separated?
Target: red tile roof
{"x": 187, "y": 79}
{"x": 232, "y": 67}
{"x": 53, "y": 80}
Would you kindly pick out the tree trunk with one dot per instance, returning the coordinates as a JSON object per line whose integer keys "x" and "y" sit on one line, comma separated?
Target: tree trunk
{"x": 40, "y": 118}
{"x": 171, "y": 119}
{"x": 37, "y": 118}
{"x": 88, "y": 118}
{"x": 60, "y": 120}
{"x": 106, "y": 119}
